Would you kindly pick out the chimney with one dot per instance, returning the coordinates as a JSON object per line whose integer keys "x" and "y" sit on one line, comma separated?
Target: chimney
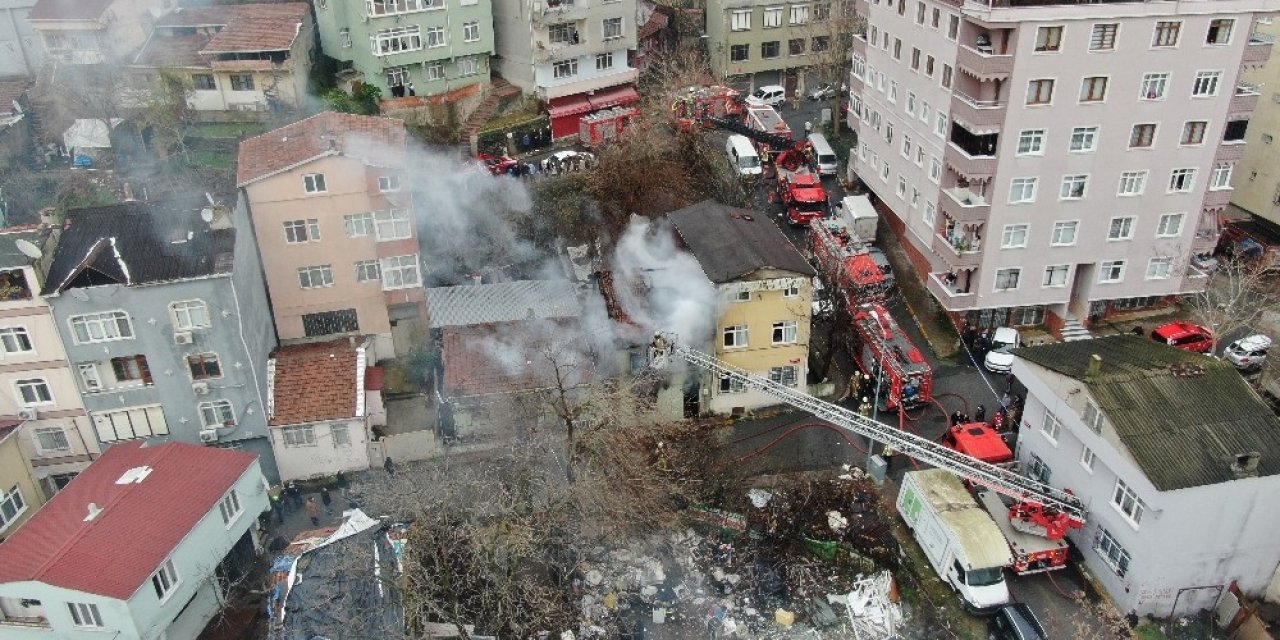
{"x": 94, "y": 510}
{"x": 1245, "y": 465}
{"x": 1095, "y": 367}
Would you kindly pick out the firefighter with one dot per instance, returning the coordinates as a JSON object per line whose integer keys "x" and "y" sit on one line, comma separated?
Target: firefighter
{"x": 865, "y": 407}
{"x": 981, "y": 414}
{"x": 865, "y": 385}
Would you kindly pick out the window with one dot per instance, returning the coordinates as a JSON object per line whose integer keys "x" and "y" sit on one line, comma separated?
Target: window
{"x": 935, "y": 20}
{"x": 101, "y": 327}
{"x": 468, "y": 66}
{"x": 393, "y": 224}
{"x": 740, "y": 52}
{"x": 85, "y": 615}
{"x": 89, "y": 376}
{"x": 935, "y": 170}
{"x": 1074, "y": 186}
{"x": 930, "y": 214}
{"x": 1220, "y": 176}
{"x": 1031, "y": 142}
{"x": 1182, "y": 180}
{"x": 928, "y": 66}
{"x": 317, "y": 276}
{"x": 1170, "y": 225}
{"x": 391, "y": 7}
{"x": 433, "y": 71}
{"x": 1235, "y": 129}
{"x": 1086, "y": 459}
{"x": 189, "y": 314}
{"x": 792, "y": 291}
{"x": 612, "y": 28}
{"x": 358, "y": 225}
{"x": 1166, "y": 34}
{"x": 1104, "y": 36}
{"x": 732, "y": 384}
{"x": 795, "y": 46}
{"x": 911, "y": 103}
{"x": 772, "y": 17}
{"x": 946, "y": 76}
{"x": 563, "y": 33}
{"x": 799, "y": 14}
{"x": 1121, "y": 228}
{"x": 1112, "y": 553}
{"x": 920, "y": 12}
{"x": 129, "y": 424}
{"x": 1153, "y": 86}
{"x": 735, "y": 336}
{"x": 229, "y": 507}
{"x": 784, "y": 332}
{"x": 1007, "y": 279}
{"x": 1132, "y": 183}
{"x": 204, "y": 366}
{"x": 1014, "y": 236}
{"x": 471, "y": 31}
{"x": 397, "y": 76}
{"x": 897, "y": 49}
{"x": 1038, "y": 470}
{"x": 435, "y": 37}
{"x": 820, "y": 43}
{"x": 1127, "y": 502}
{"x": 1064, "y": 233}
{"x": 1219, "y": 31}
{"x": 1056, "y": 275}
{"x": 1158, "y": 268}
{"x": 1111, "y": 271}
{"x": 822, "y": 12}
{"x": 1206, "y": 84}
{"x": 165, "y": 580}
{"x": 33, "y": 391}
{"x": 217, "y": 413}
{"x": 1193, "y": 132}
{"x": 298, "y": 231}
{"x": 1093, "y": 89}
{"x": 902, "y": 186}
{"x": 50, "y": 439}
{"x": 893, "y": 92}
{"x": 345, "y": 36}
{"x": 1143, "y": 136}
{"x": 300, "y": 436}
{"x": 1051, "y": 426}
{"x": 915, "y": 59}
{"x": 783, "y": 375}
{"x": 1049, "y": 39}
{"x": 131, "y": 369}
{"x": 399, "y": 39}
{"x": 15, "y": 340}
{"x": 953, "y": 26}
{"x": 741, "y": 20}
{"x": 940, "y": 127}
{"x": 565, "y": 68}
{"x": 1084, "y": 139}
{"x": 1040, "y": 91}
{"x": 770, "y": 50}
{"x": 314, "y": 183}
{"x": 367, "y": 271}
{"x": 906, "y": 146}
{"x": 203, "y": 82}
{"x": 388, "y": 183}
{"x": 400, "y": 271}
{"x": 241, "y": 82}
{"x": 1022, "y": 190}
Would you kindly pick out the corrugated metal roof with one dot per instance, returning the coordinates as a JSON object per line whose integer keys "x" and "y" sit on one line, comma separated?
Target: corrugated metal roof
{"x": 730, "y": 243}
{"x": 501, "y": 302}
{"x": 1183, "y": 417}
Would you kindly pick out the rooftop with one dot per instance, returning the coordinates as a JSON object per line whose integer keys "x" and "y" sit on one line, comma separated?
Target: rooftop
{"x": 10, "y": 256}
{"x": 316, "y": 382}
{"x": 59, "y": 546}
{"x": 11, "y": 92}
{"x": 506, "y": 357}
{"x": 242, "y": 28}
{"x": 68, "y": 9}
{"x": 134, "y": 243}
{"x": 1182, "y": 416}
{"x": 373, "y": 140}
{"x": 731, "y": 243}
{"x": 501, "y": 302}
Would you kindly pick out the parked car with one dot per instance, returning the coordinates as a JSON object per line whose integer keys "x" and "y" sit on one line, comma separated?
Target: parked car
{"x": 1184, "y": 335}
{"x": 1205, "y": 262}
{"x": 497, "y": 165}
{"x": 1000, "y": 358}
{"x": 772, "y": 95}
{"x": 823, "y": 91}
{"x": 1248, "y": 353}
{"x": 1015, "y": 622}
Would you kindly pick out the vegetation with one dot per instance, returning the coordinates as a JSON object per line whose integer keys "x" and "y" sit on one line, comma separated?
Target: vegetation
{"x": 363, "y": 99}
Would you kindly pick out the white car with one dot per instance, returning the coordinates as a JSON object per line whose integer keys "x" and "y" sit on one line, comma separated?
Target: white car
{"x": 1000, "y": 359}
{"x": 1248, "y": 353}
{"x": 772, "y": 95}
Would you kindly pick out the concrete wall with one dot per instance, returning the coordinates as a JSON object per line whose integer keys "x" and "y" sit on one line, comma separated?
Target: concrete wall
{"x": 324, "y": 458}
{"x": 1257, "y": 177}
{"x": 20, "y": 49}
{"x": 15, "y": 471}
{"x": 767, "y": 306}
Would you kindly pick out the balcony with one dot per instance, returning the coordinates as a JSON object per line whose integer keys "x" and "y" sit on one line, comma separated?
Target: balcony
{"x": 562, "y": 11}
{"x": 980, "y": 168}
{"x": 13, "y": 286}
{"x": 1257, "y": 50}
{"x": 978, "y": 116}
{"x": 951, "y": 297}
{"x": 1204, "y": 241}
{"x": 957, "y": 251}
{"x": 1245, "y": 99}
{"x": 984, "y": 66}
{"x": 1217, "y": 198}
{"x": 858, "y": 43}
{"x": 1230, "y": 152}
{"x": 962, "y": 205}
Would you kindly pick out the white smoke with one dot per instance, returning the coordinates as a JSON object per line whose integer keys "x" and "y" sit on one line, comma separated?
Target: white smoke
{"x": 680, "y": 299}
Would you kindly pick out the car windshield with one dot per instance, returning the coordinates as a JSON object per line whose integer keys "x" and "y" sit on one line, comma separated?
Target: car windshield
{"x": 811, "y": 206}
{"x": 1002, "y": 347}
{"x": 760, "y": 93}
{"x": 984, "y": 577}
{"x": 748, "y": 162}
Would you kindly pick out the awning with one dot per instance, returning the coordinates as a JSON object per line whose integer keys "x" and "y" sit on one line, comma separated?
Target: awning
{"x": 568, "y": 106}
{"x": 614, "y": 97}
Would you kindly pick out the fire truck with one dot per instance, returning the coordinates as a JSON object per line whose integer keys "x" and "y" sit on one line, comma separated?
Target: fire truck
{"x": 844, "y": 262}
{"x": 1034, "y": 508}
{"x": 689, "y": 110}
{"x": 799, "y": 188}
{"x": 764, "y": 119}
{"x": 886, "y": 354}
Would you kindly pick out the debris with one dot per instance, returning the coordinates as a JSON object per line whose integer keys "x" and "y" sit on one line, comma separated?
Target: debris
{"x": 759, "y": 498}
{"x": 837, "y": 521}
{"x": 870, "y": 606}
{"x": 784, "y": 617}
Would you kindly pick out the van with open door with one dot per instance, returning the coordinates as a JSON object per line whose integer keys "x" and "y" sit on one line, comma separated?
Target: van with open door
{"x": 824, "y": 155}
{"x": 742, "y": 155}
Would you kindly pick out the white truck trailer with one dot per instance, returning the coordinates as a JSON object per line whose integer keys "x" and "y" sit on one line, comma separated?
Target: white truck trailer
{"x": 962, "y": 542}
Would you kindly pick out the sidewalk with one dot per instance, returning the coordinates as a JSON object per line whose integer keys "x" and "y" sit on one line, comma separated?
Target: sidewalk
{"x": 934, "y": 325}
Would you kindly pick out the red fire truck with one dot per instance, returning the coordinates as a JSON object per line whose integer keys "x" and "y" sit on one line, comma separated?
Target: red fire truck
{"x": 689, "y": 109}
{"x": 844, "y": 262}
{"x": 885, "y": 353}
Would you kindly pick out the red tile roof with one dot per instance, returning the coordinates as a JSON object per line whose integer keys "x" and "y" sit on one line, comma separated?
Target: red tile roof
{"x": 374, "y": 140}
{"x": 260, "y": 27}
{"x": 314, "y": 382}
{"x": 164, "y": 51}
{"x": 503, "y": 357}
{"x": 140, "y": 524}
{"x": 11, "y": 91}
{"x": 68, "y": 9}
{"x": 243, "y": 28}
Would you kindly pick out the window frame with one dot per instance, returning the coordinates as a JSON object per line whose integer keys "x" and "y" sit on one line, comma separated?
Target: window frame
{"x": 229, "y": 507}
{"x": 299, "y": 435}
{"x": 1035, "y": 139}
{"x": 1143, "y": 127}
{"x": 359, "y": 225}
{"x": 1091, "y": 83}
{"x": 1154, "y": 273}
{"x": 18, "y": 334}
{"x": 1111, "y": 271}
{"x": 1212, "y": 78}
{"x": 313, "y": 183}
{"x": 204, "y": 361}
{"x": 59, "y": 433}
{"x": 781, "y": 330}
{"x": 102, "y": 319}
{"x": 1110, "y": 40}
{"x": 1113, "y": 554}
{"x": 1151, "y": 80}
{"x": 612, "y": 28}
{"x": 1006, "y": 275}
{"x": 1132, "y": 178}
{"x": 1051, "y": 428}
{"x": 395, "y": 269}
{"x": 1042, "y": 97}
{"x": 1032, "y": 182}
{"x": 1127, "y": 224}
{"x": 738, "y": 334}
{"x": 1084, "y": 134}
{"x": 12, "y": 500}
{"x": 1127, "y": 502}
{"x": 165, "y": 580}
{"x": 1182, "y": 180}
{"x": 1193, "y": 133}
{"x": 740, "y": 25}
{"x": 1069, "y": 185}
{"x": 307, "y": 276}
{"x": 1052, "y": 270}
{"x": 1163, "y": 28}
{"x": 35, "y": 385}
{"x": 1059, "y": 227}
{"x": 219, "y": 409}
{"x": 85, "y": 615}
{"x": 1087, "y": 458}
{"x": 1009, "y": 235}
{"x": 180, "y": 312}
{"x": 301, "y": 231}
{"x": 1165, "y": 219}
{"x": 1053, "y": 42}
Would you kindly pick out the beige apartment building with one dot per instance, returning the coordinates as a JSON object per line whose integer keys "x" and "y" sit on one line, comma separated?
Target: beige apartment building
{"x": 748, "y": 37}
{"x": 1054, "y": 162}
{"x": 20, "y": 495}
{"x": 765, "y": 300}
{"x": 335, "y": 227}
{"x": 94, "y": 31}
{"x": 1257, "y": 181}
{"x": 39, "y": 386}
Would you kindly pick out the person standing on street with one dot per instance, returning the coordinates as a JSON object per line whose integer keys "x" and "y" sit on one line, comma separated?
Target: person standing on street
{"x": 295, "y": 496}
{"x": 313, "y": 511}
{"x": 389, "y": 466}
{"x": 808, "y": 128}
{"x": 327, "y": 500}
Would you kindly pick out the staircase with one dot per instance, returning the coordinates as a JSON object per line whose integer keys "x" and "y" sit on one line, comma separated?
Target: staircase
{"x": 1072, "y": 330}
{"x": 499, "y": 90}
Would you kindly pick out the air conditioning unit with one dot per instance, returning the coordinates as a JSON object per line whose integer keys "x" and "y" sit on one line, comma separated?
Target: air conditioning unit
{"x": 28, "y": 414}
{"x": 208, "y": 435}
{"x": 182, "y": 337}
{"x": 201, "y": 388}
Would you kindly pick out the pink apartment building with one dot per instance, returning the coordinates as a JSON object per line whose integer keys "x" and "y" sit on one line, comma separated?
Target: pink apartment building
{"x": 1053, "y": 162}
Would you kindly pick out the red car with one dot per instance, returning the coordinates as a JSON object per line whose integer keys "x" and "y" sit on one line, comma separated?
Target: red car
{"x": 497, "y": 165}
{"x": 1184, "y": 335}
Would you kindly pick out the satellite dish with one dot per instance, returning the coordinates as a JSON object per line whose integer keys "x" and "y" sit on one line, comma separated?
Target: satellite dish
{"x": 28, "y": 249}
{"x": 206, "y": 214}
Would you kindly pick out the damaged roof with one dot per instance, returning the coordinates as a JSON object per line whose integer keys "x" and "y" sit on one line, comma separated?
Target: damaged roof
{"x": 316, "y": 382}
{"x": 1182, "y": 416}
{"x": 11, "y": 92}
{"x": 508, "y": 357}
{"x": 501, "y": 302}
{"x": 731, "y": 243}
{"x": 242, "y": 28}
{"x": 68, "y": 9}
{"x": 324, "y": 134}
{"x": 134, "y": 243}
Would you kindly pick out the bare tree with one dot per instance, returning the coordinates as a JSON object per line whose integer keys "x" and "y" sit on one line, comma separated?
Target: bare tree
{"x": 831, "y": 30}
{"x": 1235, "y": 299}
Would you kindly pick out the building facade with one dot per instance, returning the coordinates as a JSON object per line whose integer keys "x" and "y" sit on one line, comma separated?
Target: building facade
{"x": 572, "y": 54}
{"x": 749, "y": 37}
{"x": 20, "y": 495}
{"x": 20, "y": 49}
{"x": 94, "y": 31}
{"x": 1257, "y": 179}
{"x": 1172, "y": 504}
{"x": 440, "y": 47}
{"x": 166, "y": 324}
{"x": 1035, "y": 190}
{"x": 335, "y": 228}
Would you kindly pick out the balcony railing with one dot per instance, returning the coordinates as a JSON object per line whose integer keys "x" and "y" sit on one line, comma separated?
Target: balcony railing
{"x": 962, "y": 205}
{"x": 971, "y": 167}
{"x": 978, "y": 116}
{"x": 950, "y": 296}
{"x": 1257, "y": 50}
{"x": 1244, "y": 100}
{"x": 984, "y": 65}
{"x": 958, "y": 251}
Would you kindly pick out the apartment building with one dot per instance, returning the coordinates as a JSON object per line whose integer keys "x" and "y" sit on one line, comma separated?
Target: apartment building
{"x": 572, "y": 54}
{"x": 20, "y": 50}
{"x": 1257, "y": 180}
{"x": 749, "y": 37}
{"x": 1053, "y": 162}
{"x": 765, "y": 289}
{"x": 407, "y": 47}
{"x": 20, "y": 495}
{"x": 94, "y": 31}
{"x": 335, "y": 228}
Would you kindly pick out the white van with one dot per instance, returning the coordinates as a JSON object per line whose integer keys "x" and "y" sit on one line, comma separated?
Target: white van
{"x": 772, "y": 95}
{"x": 824, "y": 155}
{"x": 743, "y": 156}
